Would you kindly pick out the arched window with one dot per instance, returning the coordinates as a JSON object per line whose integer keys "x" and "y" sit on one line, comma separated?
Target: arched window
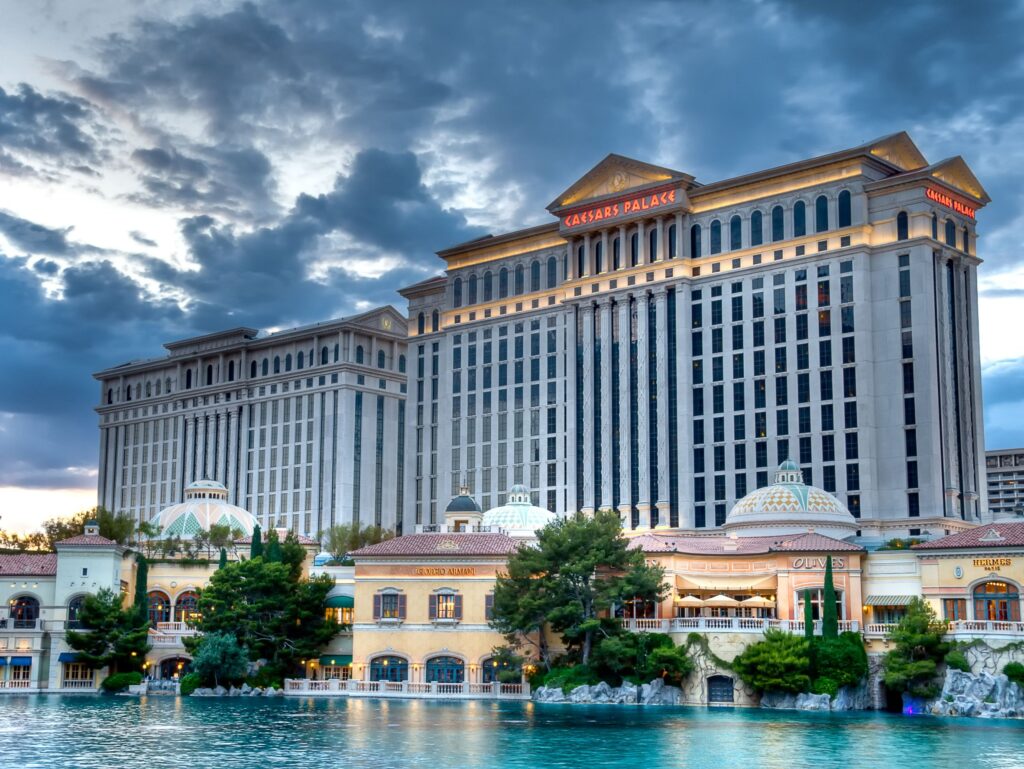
{"x": 110, "y": 395}
{"x": 716, "y": 237}
{"x": 324, "y": 353}
{"x": 231, "y": 371}
{"x": 799, "y": 219}
{"x": 695, "y": 242}
{"x": 188, "y": 382}
{"x": 185, "y": 607}
{"x": 277, "y": 364}
{"x": 300, "y": 360}
{"x": 401, "y": 364}
{"x": 552, "y": 272}
{"x": 435, "y": 320}
{"x": 445, "y": 670}
{"x": 24, "y": 611}
{"x": 503, "y": 283}
{"x": 491, "y": 668}
{"x": 74, "y": 609}
{"x": 421, "y": 323}
{"x": 652, "y": 245}
{"x": 159, "y": 607}
{"x": 581, "y": 261}
{"x": 488, "y": 286}
{"x": 149, "y": 389}
{"x": 966, "y": 241}
{"x": 756, "y": 228}
{"x": 735, "y": 233}
{"x": 616, "y": 253}
{"x": 288, "y": 362}
{"x": 950, "y": 233}
{"x": 672, "y": 252}
{"x": 457, "y": 292}
{"x": 266, "y": 366}
{"x": 337, "y": 352}
{"x": 167, "y": 385}
{"x": 520, "y": 279}
{"x": 778, "y": 232}
{"x": 598, "y": 258}
{"x": 471, "y": 289}
{"x": 535, "y": 275}
{"x": 902, "y": 226}
{"x": 845, "y": 209}
{"x": 997, "y": 601}
{"x": 634, "y": 250}
{"x": 359, "y": 353}
{"x": 138, "y": 387}
{"x": 381, "y": 359}
{"x": 935, "y": 226}
{"x": 209, "y": 375}
{"x": 252, "y": 370}
{"x": 389, "y": 669}
{"x": 158, "y": 385}
{"x": 821, "y": 214}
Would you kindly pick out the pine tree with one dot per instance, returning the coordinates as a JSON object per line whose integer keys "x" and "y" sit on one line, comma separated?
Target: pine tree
{"x": 273, "y": 553}
{"x": 256, "y": 548}
{"x": 141, "y": 588}
{"x": 808, "y": 616}
{"x": 223, "y": 558}
{"x": 829, "y": 616}
{"x": 111, "y": 635}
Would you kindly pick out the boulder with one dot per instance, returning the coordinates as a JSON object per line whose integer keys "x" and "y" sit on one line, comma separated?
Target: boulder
{"x": 580, "y": 694}
{"x": 853, "y": 698}
{"x": 601, "y": 693}
{"x": 233, "y": 692}
{"x": 255, "y": 692}
{"x": 245, "y": 689}
{"x": 219, "y": 691}
{"x": 548, "y": 694}
{"x": 778, "y": 700}
{"x": 657, "y": 693}
{"x": 807, "y": 701}
{"x": 625, "y": 694}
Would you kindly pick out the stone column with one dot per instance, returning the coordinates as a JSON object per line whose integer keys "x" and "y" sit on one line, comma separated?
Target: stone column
{"x": 220, "y": 473}
{"x": 588, "y": 256}
{"x": 659, "y": 226}
{"x": 569, "y": 424}
{"x": 190, "y": 452}
{"x": 625, "y": 416}
{"x": 623, "y": 246}
{"x": 607, "y": 473}
{"x": 605, "y": 255}
{"x": 642, "y": 257}
{"x": 231, "y": 471}
{"x": 661, "y": 327}
{"x": 200, "y": 463}
{"x": 570, "y": 263}
{"x": 643, "y": 411}
{"x": 587, "y": 316}
{"x": 679, "y": 237}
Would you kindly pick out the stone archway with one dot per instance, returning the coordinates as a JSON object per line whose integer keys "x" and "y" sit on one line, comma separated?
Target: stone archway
{"x": 720, "y": 690}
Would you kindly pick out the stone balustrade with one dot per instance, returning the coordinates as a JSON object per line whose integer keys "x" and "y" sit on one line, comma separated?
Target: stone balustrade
{"x": 727, "y": 624}
{"x": 298, "y": 687}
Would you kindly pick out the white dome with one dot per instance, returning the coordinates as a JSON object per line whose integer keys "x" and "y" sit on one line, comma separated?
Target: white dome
{"x": 205, "y": 505}
{"x": 790, "y": 506}
{"x": 519, "y": 516}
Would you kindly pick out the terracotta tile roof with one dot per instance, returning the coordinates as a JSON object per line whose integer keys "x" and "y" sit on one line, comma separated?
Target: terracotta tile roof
{"x": 29, "y": 565}
{"x": 84, "y": 540}
{"x": 441, "y": 545}
{"x": 303, "y": 540}
{"x": 721, "y": 545}
{"x": 988, "y": 535}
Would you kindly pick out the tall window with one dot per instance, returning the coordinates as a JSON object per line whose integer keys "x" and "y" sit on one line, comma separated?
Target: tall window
{"x": 598, "y": 258}
{"x": 535, "y": 275}
{"x": 716, "y": 237}
{"x": 950, "y": 233}
{"x": 435, "y": 325}
{"x": 389, "y": 669}
{"x": 616, "y": 253}
{"x": 581, "y": 261}
{"x": 457, "y": 292}
{"x": 381, "y": 359}
{"x": 471, "y": 283}
{"x": 359, "y": 353}
{"x": 503, "y": 283}
{"x": 552, "y": 272}
{"x": 445, "y": 606}
{"x": 997, "y": 602}
{"x": 24, "y": 611}
{"x": 634, "y": 250}
{"x": 735, "y": 234}
{"x": 672, "y": 253}
{"x": 799, "y": 219}
{"x": 185, "y": 607}
{"x": 445, "y": 670}
{"x": 695, "y": 242}
{"x": 821, "y": 214}
{"x": 902, "y": 226}
{"x": 778, "y": 232}
{"x": 159, "y": 607}
{"x": 488, "y": 287}
{"x": 845, "y": 209}
{"x": 756, "y": 229}
{"x": 520, "y": 286}
{"x": 421, "y": 327}
{"x": 652, "y": 245}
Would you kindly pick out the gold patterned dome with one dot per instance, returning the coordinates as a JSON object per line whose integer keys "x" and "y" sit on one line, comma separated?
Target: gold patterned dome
{"x": 790, "y": 506}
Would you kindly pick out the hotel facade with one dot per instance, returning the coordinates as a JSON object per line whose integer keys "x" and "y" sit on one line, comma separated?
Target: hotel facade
{"x": 664, "y": 344}
{"x": 301, "y": 426}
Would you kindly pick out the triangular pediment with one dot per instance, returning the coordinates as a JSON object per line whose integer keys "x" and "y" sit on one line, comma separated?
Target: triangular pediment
{"x": 385, "y": 318}
{"x": 957, "y": 174}
{"x": 900, "y": 150}
{"x": 614, "y": 175}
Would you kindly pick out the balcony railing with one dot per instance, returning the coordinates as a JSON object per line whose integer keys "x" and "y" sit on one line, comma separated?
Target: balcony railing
{"x": 20, "y": 684}
{"x": 727, "y": 624}
{"x": 13, "y": 623}
{"x": 175, "y": 628}
{"x": 78, "y": 683}
{"x": 419, "y": 690}
{"x": 961, "y": 628}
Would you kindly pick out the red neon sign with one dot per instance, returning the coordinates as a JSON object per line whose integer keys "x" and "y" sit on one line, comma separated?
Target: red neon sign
{"x": 949, "y": 202}
{"x": 645, "y": 202}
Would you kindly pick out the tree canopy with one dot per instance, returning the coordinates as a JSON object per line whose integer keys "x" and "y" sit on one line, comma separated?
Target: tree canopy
{"x": 112, "y": 635}
{"x": 346, "y": 538}
{"x": 219, "y": 659}
{"x": 781, "y": 662}
{"x": 918, "y": 647}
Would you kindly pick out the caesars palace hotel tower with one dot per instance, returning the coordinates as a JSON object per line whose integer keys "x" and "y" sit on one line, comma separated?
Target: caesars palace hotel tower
{"x": 664, "y": 344}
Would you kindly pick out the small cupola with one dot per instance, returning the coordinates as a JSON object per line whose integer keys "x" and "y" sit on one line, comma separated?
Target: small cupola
{"x": 92, "y": 528}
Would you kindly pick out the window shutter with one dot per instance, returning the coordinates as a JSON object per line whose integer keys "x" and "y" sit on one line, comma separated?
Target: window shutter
{"x": 376, "y": 607}
{"x": 401, "y": 606}
{"x": 458, "y": 606}
{"x": 433, "y": 607}
{"x": 489, "y": 606}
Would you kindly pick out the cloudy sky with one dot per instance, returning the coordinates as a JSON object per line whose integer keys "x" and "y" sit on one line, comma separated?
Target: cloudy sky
{"x": 171, "y": 168}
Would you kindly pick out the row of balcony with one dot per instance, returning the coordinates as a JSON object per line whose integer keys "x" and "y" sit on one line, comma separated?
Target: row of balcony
{"x": 759, "y": 625}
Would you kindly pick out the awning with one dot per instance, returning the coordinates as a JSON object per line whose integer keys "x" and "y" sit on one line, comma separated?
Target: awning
{"x": 339, "y": 602}
{"x": 758, "y": 602}
{"x": 723, "y": 583}
{"x": 721, "y": 602}
{"x": 68, "y": 657}
{"x": 16, "y": 661}
{"x": 335, "y": 660}
{"x": 690, "y": 600}
{"x": 888, "y": 600}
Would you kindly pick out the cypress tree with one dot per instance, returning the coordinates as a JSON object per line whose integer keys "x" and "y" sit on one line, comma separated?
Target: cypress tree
{"x": 829, "y": 616}
{"x": 808, "y": 616}
{"x": 273, "y": 554}
{"x": 256, "y": 548}
{"x": 141, "y": 580}
{"x": 223, "y": 558}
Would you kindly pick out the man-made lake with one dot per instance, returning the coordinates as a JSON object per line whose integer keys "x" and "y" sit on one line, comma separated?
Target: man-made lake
{"x": 40, "y": 732}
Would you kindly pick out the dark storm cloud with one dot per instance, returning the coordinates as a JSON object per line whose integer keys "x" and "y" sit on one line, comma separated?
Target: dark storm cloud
{"x": 35, "y": 238}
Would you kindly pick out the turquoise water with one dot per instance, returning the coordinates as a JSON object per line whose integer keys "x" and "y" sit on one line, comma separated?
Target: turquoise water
{"x": 40, "y": 732}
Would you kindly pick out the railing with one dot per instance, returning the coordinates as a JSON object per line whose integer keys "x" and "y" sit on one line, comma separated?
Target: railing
{"x": 958, "y": 628}
{"x": 162, "y": 639}
{"x": 7, "y": 623}
{"x": 420, "y": 690}
{"x": 78, "y": 683}
{"x": 728, "y": 624}
{"x": 175, "y": 628}
{"x": 20, "y": 684}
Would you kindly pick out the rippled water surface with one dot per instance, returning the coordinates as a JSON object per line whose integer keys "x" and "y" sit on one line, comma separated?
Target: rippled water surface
{"x": 166, "y": 733}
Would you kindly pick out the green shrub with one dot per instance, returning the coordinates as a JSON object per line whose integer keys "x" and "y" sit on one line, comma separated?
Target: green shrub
{"x": 781, "y": 662}
{"x": 568, "y": 678}
{"x": 918, "y": 647}
{"x": 188, "y": 684}
{"x": 266, "y": 676}
{"x": 842, "y": 660}
{"x": 825, "y": 685}
{"x": 640, "y": 657}
{"x": 121, "y": 681}
{"x": 957, "y": 661}
{"x": 1015, "y": 672}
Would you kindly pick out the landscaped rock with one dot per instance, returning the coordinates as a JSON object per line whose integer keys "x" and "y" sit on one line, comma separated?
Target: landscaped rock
{"x": 245, "y": 689}
{"x": 778, "y": 700}
{"x": 549, "y": 694}
{"x": 601, "y": 693}
{"x": 808, "y": 701}
{"x": 580, "y": 694}
{"x": 853, "y": 698}
{"x": 625, "y": 694}
{"x": 982, "y": 695}
{"x": 802, "y": 701}
{"x": 656, "y": 693}
{"x": 219, "y": 691}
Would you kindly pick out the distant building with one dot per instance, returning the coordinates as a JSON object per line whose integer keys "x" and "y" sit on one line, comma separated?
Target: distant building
{"x": 300, "y": 426}
{"x": 1004, "y": 470}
